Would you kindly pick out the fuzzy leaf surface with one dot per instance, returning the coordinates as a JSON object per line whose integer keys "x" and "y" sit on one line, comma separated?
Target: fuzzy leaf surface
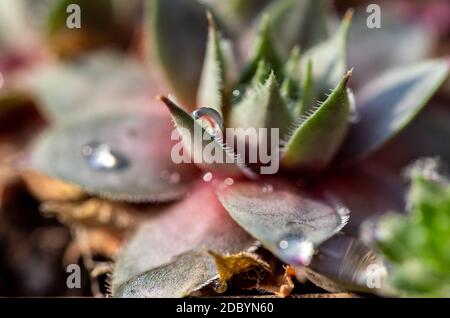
{"x": 315, "y": 141}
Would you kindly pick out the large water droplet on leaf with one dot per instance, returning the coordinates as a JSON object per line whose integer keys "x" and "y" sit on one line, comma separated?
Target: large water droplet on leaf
{"x": 101, "y": 157}
{"x": 211, "y": 119}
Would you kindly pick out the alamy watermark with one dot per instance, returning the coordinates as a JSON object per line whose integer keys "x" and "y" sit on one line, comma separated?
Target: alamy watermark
{"x": 375, "y": 274}
{"x": 374, "y": 19}
{"x": 73, "y": 20}
{"x": 74, "y": 276}
{"x": 254, "y": 146}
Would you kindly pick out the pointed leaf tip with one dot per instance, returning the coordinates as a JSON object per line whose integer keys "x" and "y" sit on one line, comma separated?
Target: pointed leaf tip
{"x": 219, "y": 158}
{"x": 314, "y": 142}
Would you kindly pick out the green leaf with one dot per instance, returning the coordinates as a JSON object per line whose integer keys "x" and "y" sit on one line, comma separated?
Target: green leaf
{"x": 298, "y": 22}
{"x": 288, "y": 221}
{"x": 389, "y": 103}
{"x": 236, "y": 13}
{"x": 179, "y": 37}
{"x": 307, "y": 95}
{"x": 212, "y": 84}
{"x": 416, "y": 246}
{"x": 264, "y": 50}
{"x": 262, "y": 73}
{"x": 328, "y": 59}
{"x": 196, "y": 139}
{"x": 291, "y": 84}
{"x": 169, "y": 255}
{"x": 121, "y": 156}
{"x": 315, "y": 141}
{"x": 262, "y": 107}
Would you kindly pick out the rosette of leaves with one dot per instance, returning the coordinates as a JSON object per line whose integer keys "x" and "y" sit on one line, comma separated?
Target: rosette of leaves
{"x": 208, "y": 229}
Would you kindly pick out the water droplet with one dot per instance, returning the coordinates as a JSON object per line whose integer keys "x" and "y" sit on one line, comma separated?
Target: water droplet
{"x": 296, "y": 251}
{"x": 101, "y": 157}
{"x": 174, "y": 177}
{"x": 207, "y": 177}
{"x": 267, "y": 188}
{"x": 220, "y": 287}
{"x": 283, "y": 244}
{"x": 228, "y": 181}
{"x": 236, "y": 93}
{"x": 211, "y": 118}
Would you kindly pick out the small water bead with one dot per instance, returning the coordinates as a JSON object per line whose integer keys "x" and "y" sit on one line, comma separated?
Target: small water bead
{"x": 207, "y": 177}
{"x": 267, "y": 188}
{"x": 228, "y": 181}
{"x": 296, "y": 251}
{"x": 236, "y": 93}
{"x": 100, "y": 156}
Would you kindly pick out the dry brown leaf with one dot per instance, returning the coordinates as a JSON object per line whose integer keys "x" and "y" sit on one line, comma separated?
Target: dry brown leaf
{"x": 89, "y": 242}
{"x": 94, "y": 213}
{"x": 235, "y": 264}
{"x": 48, "y": 189}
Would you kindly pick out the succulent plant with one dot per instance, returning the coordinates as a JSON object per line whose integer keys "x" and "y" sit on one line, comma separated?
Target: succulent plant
{"x": 105, "y": 163}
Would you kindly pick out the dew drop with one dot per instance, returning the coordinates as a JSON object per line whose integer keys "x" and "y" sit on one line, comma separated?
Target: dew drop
{"x": 296, "y": 251}
{"x": 100, "y": 157}
{"x": 207, "y": 177}
{"x": 220, "y": 287}
{"x": 267, "y": 188}
{"x": 172, "y": 177}
{"x": 211, "y": 118}
{"x": 228, "y": 181}
{"x": 236, "y": 93}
